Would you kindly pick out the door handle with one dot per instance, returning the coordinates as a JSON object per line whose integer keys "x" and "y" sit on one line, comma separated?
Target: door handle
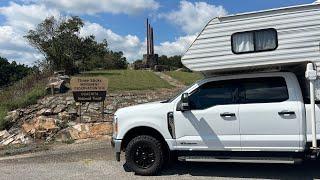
{"x": 286, "y": 113}
{"x": 226, "y": 114}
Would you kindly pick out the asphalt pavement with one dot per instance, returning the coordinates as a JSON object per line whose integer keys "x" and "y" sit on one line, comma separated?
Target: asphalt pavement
{"x": 95, "y": 160}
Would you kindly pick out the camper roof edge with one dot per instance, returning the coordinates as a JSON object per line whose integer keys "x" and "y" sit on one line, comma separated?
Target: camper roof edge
{"x": 297, "y": 42}
{"x": 271, "y": 10}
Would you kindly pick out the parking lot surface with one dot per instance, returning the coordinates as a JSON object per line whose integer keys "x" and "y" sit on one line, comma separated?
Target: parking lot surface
{"x": 95, "y": 160}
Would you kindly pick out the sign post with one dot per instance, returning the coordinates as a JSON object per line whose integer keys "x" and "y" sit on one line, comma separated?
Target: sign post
{"x": 89, "y": 89}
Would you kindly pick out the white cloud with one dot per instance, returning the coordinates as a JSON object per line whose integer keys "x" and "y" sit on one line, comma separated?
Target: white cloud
{"x": 131, "y": 45}
{"x": 14, "y": 47}
{"x": 100, "y": 6}
{"x": 191, "y": 17}
{"x": 177, "y": 47}
{"x": 25, "y": 17}
{"x": 20, "y": 19}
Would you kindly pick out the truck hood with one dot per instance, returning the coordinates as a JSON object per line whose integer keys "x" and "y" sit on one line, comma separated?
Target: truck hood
{"x": 143, "y": 110}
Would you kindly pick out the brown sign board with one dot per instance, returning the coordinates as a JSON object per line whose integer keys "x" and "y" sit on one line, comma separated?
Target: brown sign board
{"x": 89, "y": 89}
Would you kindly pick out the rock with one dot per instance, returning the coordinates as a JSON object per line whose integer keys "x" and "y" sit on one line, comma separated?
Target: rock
{"x": 46, "y": 100}
{"x": 85, "y": 131}
{"x": 110, "y": 107}
{"x": 58, "y": 85}
{"x": 59, "y": 108}
{"x": 72, "y": 111}
{"x": 12, "y": 116}
{"x": 71, "y": 123}
{"x": 44, "y": 123}
{"x": 86, "y": 118}
{"x": 21, "y": 138}
{"x": 64, "y": 116}
{"x": 45, "y": 112}
{"x": 63, "y": 135}
{"x": 95, "y": 106}
{"x": 70, "y": 102}
{"x": 7, "y": 141}
{"x": 97, "y": 129}
{"x": 107, "y": 111}
{"x": 65, "y": 78}
{"x": 28, "y": 128}
{"x": 69, "y": 98}
{"x": 40, "y": 123}
{"x": 4, "y": 134}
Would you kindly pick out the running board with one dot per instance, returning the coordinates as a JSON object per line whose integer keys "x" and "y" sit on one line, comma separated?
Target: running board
{"x": 265, "y": 160}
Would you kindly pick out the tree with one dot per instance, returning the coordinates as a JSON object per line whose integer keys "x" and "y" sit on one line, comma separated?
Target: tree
{"x": 57, "y": 41}
{"x": 64, "y": 49}
{"x": 173, "y": 61}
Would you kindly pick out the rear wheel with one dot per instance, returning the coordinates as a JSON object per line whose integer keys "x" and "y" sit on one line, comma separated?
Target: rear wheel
{"x": 144, "y": 155}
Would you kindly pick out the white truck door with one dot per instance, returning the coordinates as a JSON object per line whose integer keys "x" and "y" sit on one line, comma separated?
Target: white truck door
{"x": 269, "y": 114}
{"x": 213, "y": 121}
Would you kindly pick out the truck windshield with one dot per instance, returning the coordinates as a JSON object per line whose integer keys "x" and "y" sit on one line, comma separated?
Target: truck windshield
{"x": 178, "y": 94}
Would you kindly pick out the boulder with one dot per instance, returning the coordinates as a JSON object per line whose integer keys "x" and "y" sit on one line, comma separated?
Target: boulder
{"x": 13, "y": 116}
{"x": 59, "y": 108}
{"x": 86, "y": 119}
{"x": 21, "y": 138}
{"x": 85, "y": 131}
{"x": 44, "y": 123}
{"x": 44, "y": 112}
{"x": 28, "y": 128}
{"x": 58, "y": 85}
{"x": 64, "y": 116}
{"x": 8, "y": 140}
{"x": 40, "y": 123}
{"x": 4, "y": 134}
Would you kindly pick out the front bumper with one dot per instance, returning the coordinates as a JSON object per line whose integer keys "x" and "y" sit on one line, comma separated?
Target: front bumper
{"x": 116, "y": 144}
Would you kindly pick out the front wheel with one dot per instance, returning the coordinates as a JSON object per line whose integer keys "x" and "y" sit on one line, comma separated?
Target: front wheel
{"x": 144, "y": 155}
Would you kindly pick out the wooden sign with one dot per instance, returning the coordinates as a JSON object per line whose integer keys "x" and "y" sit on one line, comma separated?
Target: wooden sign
{"x": 89, "y": 89}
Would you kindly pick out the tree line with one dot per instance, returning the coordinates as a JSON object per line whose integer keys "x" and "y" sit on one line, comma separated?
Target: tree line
{"x": 12, "y": 72}
{"x": 172, "y": 62}
{"x": 63, "y": 48}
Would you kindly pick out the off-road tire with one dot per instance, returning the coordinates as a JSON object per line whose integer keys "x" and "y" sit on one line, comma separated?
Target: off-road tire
{"x": 151, "y": 143}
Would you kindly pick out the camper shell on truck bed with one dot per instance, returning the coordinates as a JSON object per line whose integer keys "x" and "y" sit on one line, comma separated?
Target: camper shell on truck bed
{"x": 257, "y": 40}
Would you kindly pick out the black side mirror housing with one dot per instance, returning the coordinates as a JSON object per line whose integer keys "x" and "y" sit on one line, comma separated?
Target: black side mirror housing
{"x": 184, "y": 103}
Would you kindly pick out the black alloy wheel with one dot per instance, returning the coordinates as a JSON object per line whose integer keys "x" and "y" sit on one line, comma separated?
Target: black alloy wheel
{"x": 144, "y": 155}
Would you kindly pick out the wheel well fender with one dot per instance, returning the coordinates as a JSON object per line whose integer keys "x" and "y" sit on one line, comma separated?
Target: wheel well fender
{"x": 143, "y": 130}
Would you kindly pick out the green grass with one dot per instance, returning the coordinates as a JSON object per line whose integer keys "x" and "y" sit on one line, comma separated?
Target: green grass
{"x": 186, "y": 78}
{"x": 21, "y": 94}
{"x": 120, "y": 80}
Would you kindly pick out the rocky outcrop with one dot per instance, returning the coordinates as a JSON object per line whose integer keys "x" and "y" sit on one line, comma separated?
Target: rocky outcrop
{"x": 58, "y": 117}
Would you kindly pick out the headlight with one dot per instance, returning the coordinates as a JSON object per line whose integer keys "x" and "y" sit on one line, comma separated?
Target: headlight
{"x": 115, "y": 126}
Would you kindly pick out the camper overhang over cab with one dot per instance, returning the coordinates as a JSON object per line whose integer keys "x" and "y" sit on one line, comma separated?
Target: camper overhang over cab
{"x": 275, "y": 38}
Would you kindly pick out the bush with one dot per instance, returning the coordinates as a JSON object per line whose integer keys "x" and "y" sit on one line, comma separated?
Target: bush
{"x": 21, "y": 94}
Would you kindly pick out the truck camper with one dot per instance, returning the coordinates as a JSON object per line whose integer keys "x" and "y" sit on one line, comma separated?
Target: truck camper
{"x": 258, "y": 103}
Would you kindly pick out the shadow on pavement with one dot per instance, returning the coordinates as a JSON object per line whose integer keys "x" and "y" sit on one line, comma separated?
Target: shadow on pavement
{"x": 306, "y": 170}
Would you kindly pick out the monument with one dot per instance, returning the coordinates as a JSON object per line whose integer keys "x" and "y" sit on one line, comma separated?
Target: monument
{"x": 150, "y": 59}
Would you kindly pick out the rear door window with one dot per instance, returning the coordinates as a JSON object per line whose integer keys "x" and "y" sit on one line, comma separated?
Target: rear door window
{"x": 264, "y": 90}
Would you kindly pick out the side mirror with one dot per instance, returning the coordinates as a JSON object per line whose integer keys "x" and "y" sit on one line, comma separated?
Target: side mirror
{"x": 184, "y": 104}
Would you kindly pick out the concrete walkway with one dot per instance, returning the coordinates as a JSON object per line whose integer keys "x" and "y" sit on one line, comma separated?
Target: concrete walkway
{"x": 170, "y": 80}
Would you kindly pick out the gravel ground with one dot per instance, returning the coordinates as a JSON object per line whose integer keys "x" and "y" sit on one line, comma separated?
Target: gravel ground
{"x": 95, "y": 160}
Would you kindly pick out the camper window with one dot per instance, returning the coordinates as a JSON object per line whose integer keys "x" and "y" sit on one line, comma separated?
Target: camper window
{"x": 254, "y": 41}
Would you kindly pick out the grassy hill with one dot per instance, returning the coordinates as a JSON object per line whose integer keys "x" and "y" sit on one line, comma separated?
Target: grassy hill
{"x": 186, "y": 78}
{"x": 130, "y": 79}
{"x": 21, "y": 94}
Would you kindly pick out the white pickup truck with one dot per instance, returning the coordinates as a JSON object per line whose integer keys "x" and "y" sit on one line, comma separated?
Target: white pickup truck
{"x": 258, "y": 118}
{"x": 257, "y": 102}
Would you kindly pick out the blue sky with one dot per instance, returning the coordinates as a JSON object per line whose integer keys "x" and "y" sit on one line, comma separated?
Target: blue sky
{"x": 176, "y": 22}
